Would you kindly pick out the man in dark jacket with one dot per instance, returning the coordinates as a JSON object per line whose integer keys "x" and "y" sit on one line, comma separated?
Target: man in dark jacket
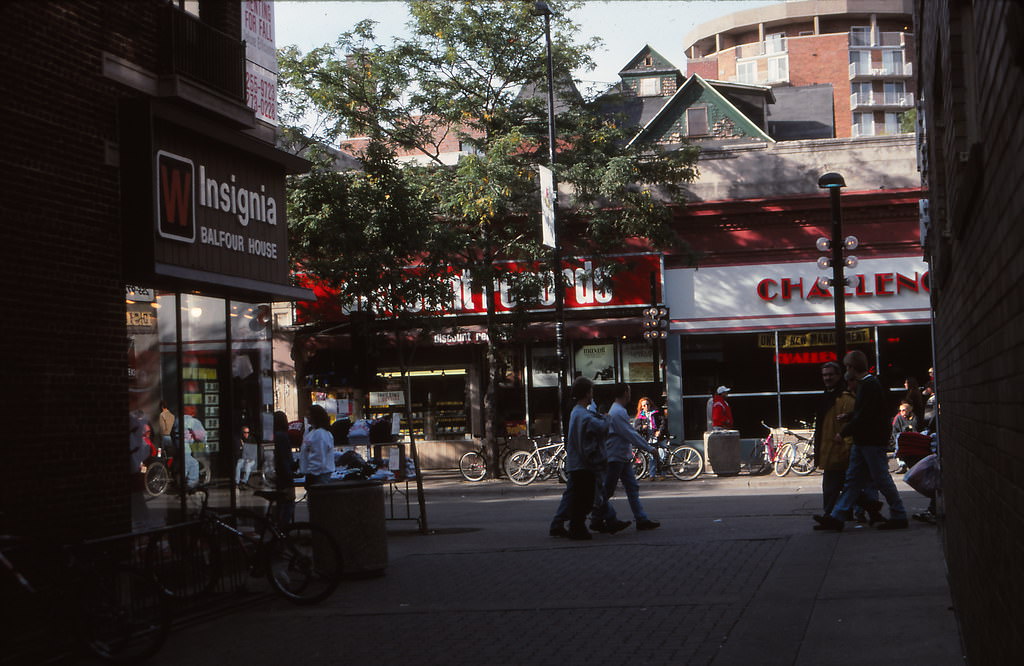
{"x": 870, "y": 429}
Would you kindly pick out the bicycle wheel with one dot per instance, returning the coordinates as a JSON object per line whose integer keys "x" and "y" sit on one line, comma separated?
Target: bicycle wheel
{"x": 157, "y": 479}
{"x": 783, "y": 460}
{"x": 473, "y": 466}
{"x": 685, "y": 463}
{"x": 305, "y": 563}
{"x": 522, "y": 468}
{"x": 563, "y": 476}
{"x": 803, "y": 459}
{"x": 183, "y": 561}
{"x": 641, "y": 464}
{"x": 123, "y": 616}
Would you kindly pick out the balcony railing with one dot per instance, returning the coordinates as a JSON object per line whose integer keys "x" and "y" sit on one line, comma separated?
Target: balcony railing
{"x": 902, "y": 100}
{"x": 860, "y": 70}
{"x": 191, "y": 48}
{"x": 756, "y": 49}
{"x": 877, "y": 39}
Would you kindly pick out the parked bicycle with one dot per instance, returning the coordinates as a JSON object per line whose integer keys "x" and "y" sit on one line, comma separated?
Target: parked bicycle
{"x": 681, "y": 461}
{"x": 803, "y": 452}
{"x": 543, "y": 462}
{"x": 97, "y": 604}
{"x": 301, "y": 560}
{"x": 474, "y": 465}
{"x": 771, "y": 453}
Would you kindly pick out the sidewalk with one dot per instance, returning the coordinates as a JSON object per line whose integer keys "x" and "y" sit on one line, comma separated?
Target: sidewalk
{"x": 734, "y": 576}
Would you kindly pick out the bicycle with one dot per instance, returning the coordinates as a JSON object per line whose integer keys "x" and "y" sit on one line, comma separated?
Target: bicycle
{"x": 473, "y": 465}
{"x": 301, "y": 560}
{"x": 103, "y": 607}
{"x": 543, "y": 462}
{"x": 771, "y": 453}
{"x": 802, "y": 453}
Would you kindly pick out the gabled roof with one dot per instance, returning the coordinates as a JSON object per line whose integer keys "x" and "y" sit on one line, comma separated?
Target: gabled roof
{"x": 674, "y": 106}
{"x": 660, "y": 64}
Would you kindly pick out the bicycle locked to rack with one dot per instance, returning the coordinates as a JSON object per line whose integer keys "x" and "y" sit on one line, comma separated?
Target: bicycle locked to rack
{"x": 783, "y": 450}
{"x": 82, "y": 597}
{"x": 301, "y": 560}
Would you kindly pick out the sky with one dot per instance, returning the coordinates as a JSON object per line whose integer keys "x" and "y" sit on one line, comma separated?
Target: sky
{"x": 624, "y": 25}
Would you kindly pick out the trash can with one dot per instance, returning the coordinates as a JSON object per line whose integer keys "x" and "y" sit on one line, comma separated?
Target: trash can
{"x": 353, "y": 512}
{"x": 723, "y": 451}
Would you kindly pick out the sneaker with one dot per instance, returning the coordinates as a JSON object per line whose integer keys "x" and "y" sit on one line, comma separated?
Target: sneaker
{"x": 647, "y": 524}
{"x": 894, "y": 524}
{"x": 580, "y": 536}
{"x": 558, "y": 531}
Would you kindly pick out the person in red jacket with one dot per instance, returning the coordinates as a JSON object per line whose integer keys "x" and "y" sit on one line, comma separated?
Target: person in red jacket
{"x": 721, "y": 413}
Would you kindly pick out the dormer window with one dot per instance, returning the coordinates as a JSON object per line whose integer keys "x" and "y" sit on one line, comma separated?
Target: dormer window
{"x": 649, "y": 87}
{"x": 697, "y": 121}
{"x": 648, "y": 61}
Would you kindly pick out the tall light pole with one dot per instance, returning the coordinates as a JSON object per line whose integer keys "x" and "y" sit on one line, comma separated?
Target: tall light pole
{"x": 541, "y": 8}
{"x": 834, "y": 182}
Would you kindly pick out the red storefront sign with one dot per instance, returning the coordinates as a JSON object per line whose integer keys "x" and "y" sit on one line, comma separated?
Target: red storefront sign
{"x": 588, "y": 287}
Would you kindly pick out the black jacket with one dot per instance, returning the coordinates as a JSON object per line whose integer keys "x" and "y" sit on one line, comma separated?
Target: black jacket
{"x": 870, "y": 424}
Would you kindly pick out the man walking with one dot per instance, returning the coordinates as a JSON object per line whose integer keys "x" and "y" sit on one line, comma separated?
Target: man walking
{"x": 622, "y": 437}
{"x": 869, "y": 427}
{"x": 585, "y": 457}
{"x": 831, "y": 456}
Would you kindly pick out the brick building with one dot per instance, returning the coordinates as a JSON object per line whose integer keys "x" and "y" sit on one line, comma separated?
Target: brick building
{"x": 862, "y": 48}
{"x": 141, "y": 180}
{"x": 971, "y": 74}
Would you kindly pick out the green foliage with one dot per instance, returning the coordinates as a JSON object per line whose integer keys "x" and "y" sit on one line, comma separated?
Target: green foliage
{"x": 456, "y": 78}
{"x": 908, "y": 121}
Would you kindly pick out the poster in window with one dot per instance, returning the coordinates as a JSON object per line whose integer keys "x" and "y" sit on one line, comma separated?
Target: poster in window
{"x": 596, "y": 362}
{"x": 637, "y": 362}
{"x": 543, "y": 367}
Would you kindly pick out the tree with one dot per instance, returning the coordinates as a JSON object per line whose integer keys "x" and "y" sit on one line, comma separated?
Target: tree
{"x": 458, "y": 75}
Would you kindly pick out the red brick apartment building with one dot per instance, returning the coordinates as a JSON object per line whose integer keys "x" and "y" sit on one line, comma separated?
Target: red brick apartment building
{"x": 864, "y": 49}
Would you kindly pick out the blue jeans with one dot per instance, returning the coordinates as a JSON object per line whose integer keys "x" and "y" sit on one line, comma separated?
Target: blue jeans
{"x": 868, "y": 465}
{"x": 564, "y": 506}
{"x": 620, "y": 471}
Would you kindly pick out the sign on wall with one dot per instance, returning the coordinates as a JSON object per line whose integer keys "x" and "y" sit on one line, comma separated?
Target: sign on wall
{"x": 218, "y": 209}
{"x": 786, "y": 295}
{"x": 596, "y": 362}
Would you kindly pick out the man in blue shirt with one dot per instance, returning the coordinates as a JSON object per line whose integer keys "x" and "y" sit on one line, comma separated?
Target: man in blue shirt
{"x": 622, "y": 438}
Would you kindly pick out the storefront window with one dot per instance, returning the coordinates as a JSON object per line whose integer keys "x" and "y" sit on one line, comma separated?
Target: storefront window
{"x": 208, "y": 398}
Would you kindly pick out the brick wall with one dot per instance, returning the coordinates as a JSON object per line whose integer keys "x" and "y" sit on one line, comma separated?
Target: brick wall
{"x": 64, "y": 454}
{"x": 824, "y": 59}
{"x": 970, "y": 60}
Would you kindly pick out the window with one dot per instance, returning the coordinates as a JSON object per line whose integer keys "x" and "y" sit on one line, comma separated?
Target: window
{"x": 648, "y": 61}
{"x": 649, "y": 87}
{"x": 892, "y": 62}
{"x": 860, "y": 62}
{"x": 894, "y": 92}
{"x": 860, "y": 35}
{"x": 778, "y": 68}
{"x": 697, "y": 121}
{"x": 746, "y": 72}
{"x": 861, "y": 93}
{"x": 775, "y": 43}
{"x": 863, "y": 124}
{"x": 892, "y": 123}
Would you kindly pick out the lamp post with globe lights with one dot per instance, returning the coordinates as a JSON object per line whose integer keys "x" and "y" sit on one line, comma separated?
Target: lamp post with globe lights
{"x": 838, "y": 261}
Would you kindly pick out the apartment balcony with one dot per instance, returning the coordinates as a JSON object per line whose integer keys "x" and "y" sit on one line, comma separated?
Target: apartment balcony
{"x": 194, "y": 50}
{"x": 765, "y": 48}
{"x": 897, "y": 70}
{"x": 881, "y": 100}
{"x": 878, "y": 40}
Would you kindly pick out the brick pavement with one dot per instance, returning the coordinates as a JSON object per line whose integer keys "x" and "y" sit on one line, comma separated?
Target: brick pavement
{"x": 734, "y": 576}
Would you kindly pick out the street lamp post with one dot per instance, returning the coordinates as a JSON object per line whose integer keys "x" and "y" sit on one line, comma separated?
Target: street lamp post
{"x": 834, "y": 182}
{"x": 541, "y": 8}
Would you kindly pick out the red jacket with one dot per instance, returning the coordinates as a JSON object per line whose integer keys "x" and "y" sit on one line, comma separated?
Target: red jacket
{"x": 721, "y": 413}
